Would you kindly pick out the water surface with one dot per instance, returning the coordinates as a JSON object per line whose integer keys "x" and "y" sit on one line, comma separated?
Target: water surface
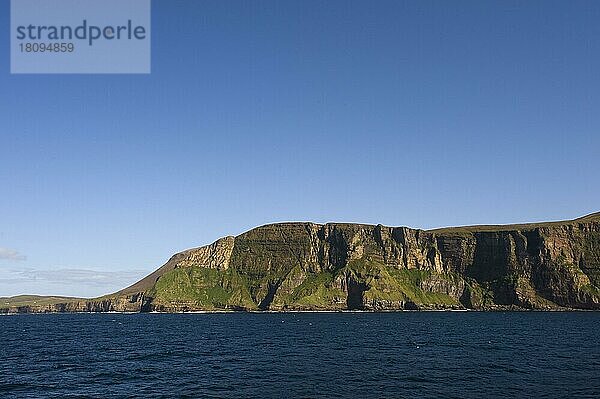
{"x": 320, "y": 355}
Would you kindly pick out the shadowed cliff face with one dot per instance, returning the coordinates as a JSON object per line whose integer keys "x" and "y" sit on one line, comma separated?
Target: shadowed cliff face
{"x": 306, "y": 266}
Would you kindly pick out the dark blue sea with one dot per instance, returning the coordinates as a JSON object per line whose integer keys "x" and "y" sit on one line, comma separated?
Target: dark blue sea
{"x": 301, "y": 355}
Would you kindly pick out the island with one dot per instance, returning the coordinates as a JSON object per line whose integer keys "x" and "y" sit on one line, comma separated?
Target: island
{"x": 345, "y": 266}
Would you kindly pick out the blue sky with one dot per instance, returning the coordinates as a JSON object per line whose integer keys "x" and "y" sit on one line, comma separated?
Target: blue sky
{"x": 418, "y": 113}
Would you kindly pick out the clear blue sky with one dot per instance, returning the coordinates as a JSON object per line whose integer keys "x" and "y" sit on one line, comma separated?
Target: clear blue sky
{"x": 419, "y": 113}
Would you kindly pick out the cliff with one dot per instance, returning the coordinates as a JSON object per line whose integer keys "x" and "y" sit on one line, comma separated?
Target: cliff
{"x": 337, "y": 266}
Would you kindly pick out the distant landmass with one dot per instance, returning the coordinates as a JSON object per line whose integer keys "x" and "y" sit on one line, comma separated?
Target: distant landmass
{"x": 345, "y": 266}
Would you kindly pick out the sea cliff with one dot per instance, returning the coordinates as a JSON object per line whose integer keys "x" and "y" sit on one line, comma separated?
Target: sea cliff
{"x": 342, "y": 266}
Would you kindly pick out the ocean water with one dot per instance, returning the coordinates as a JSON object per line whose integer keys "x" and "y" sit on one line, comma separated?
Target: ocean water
{"x": 301, "y": 355}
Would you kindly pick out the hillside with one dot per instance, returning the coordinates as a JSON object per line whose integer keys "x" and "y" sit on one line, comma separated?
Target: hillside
{"x": 341, "y": 266}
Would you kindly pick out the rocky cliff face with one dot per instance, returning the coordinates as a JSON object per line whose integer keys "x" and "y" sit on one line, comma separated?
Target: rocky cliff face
{"x": 307, "y": 266}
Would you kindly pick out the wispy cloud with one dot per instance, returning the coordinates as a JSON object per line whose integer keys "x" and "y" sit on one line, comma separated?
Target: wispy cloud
{"x": 77, "y": 282}
{"x": 11, "y": 254}
{"x": 78, "y": 276}
{"x": 71, "y": 277}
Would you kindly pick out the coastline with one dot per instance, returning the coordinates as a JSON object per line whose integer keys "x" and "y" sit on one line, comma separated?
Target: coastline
{"x": 498, "y": 310}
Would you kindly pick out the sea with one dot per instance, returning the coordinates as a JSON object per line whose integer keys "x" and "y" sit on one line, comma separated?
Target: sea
{"x": 301, "y": 355}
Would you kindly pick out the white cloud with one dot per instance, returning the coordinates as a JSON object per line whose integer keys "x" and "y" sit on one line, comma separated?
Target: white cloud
{"x": 65, "y": 281}
{"x": 74, "y": 276}
{"x": 11, "y": 254}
